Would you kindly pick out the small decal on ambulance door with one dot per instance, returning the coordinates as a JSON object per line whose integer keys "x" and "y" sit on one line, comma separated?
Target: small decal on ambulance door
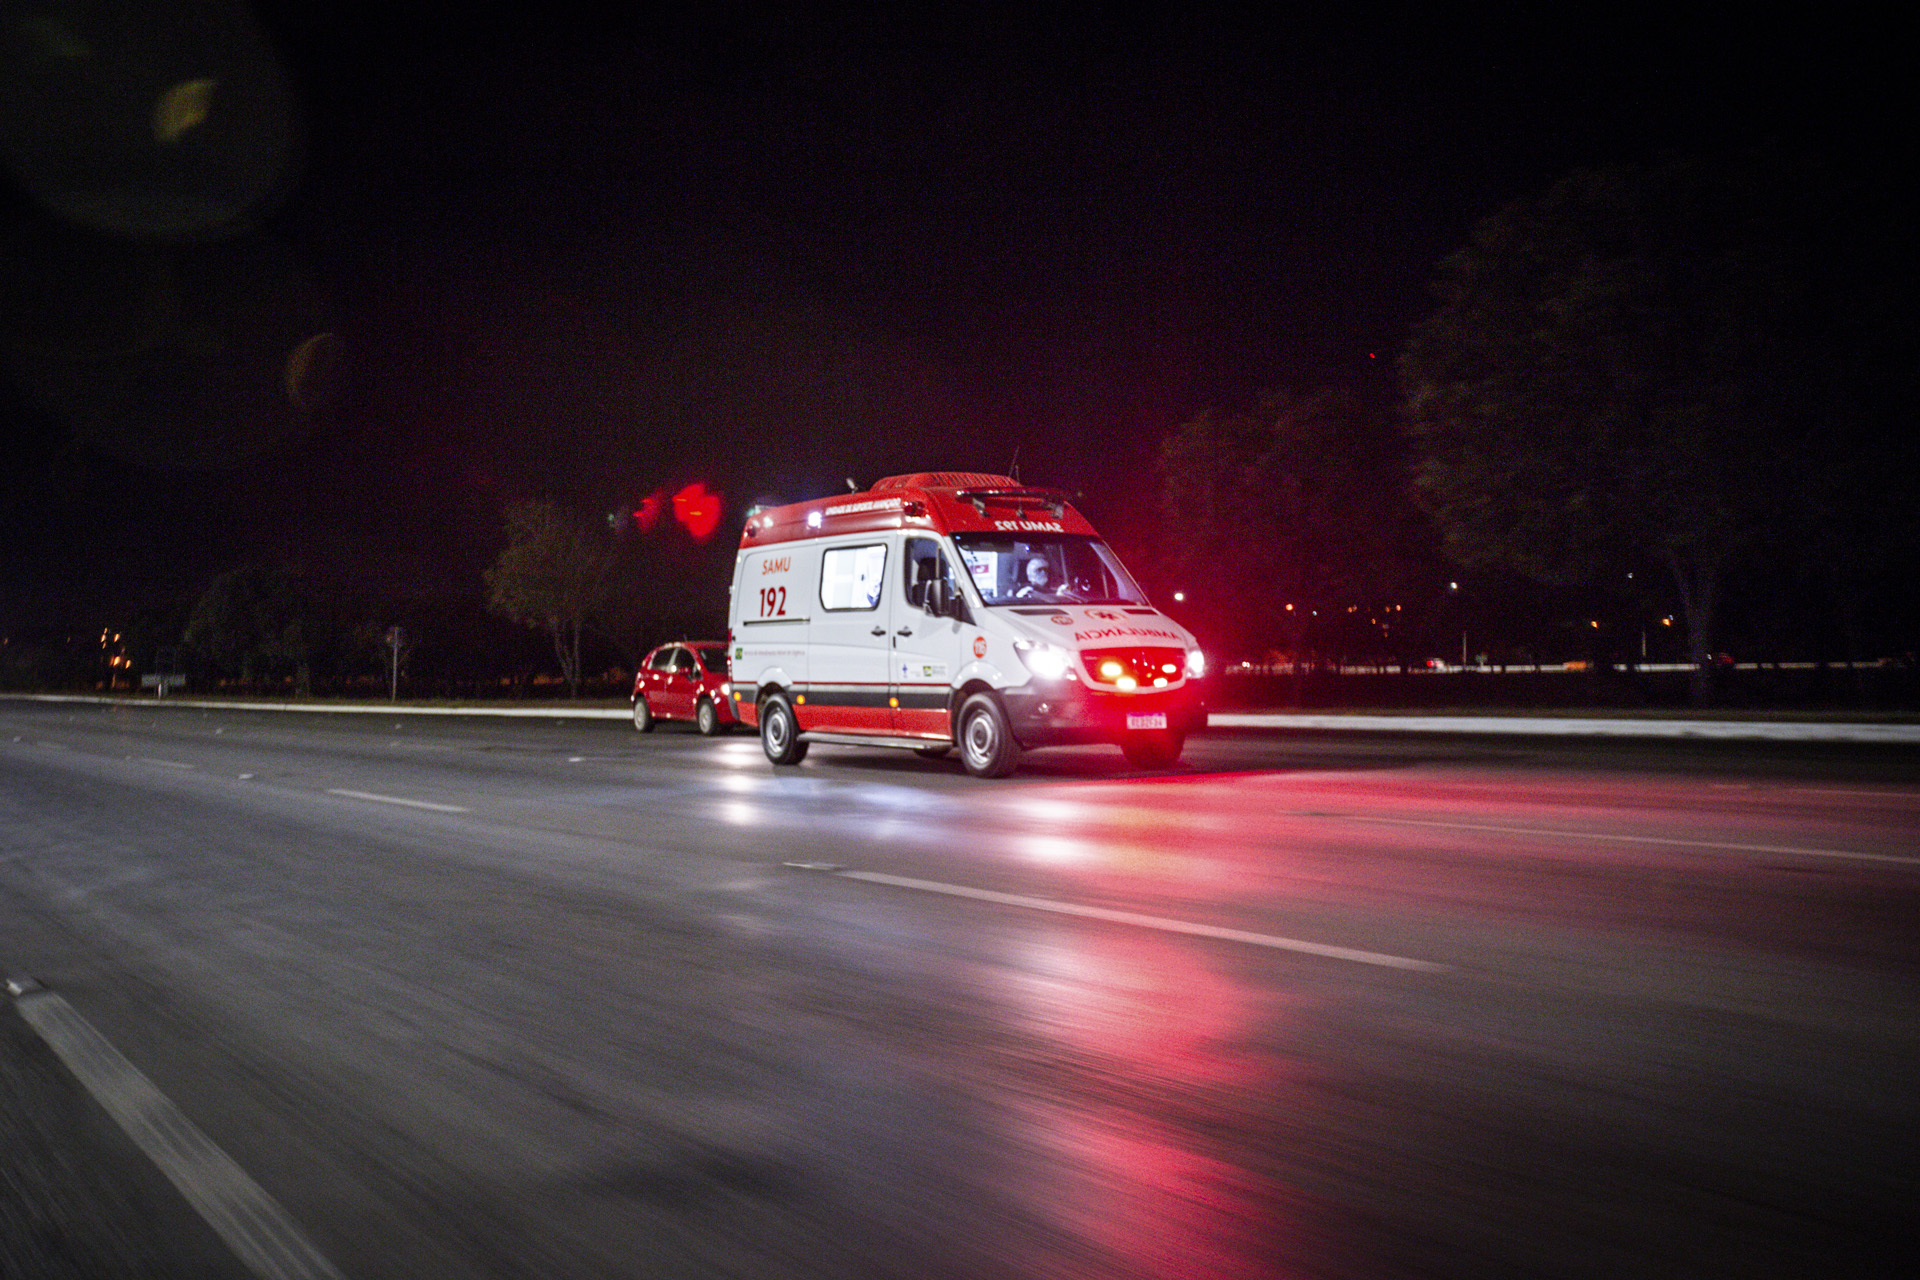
{"x": 979, "y": 646}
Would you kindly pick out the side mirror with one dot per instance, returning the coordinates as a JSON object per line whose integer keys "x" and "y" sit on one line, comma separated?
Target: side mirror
{"x": 944, "y": 602}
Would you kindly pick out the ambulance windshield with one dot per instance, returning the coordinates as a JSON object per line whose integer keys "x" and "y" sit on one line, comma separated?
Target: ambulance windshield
{"x": 1045, "y": 569}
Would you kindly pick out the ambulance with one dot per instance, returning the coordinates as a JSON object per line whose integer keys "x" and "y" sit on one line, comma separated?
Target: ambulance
{"x": 948, "y": 611}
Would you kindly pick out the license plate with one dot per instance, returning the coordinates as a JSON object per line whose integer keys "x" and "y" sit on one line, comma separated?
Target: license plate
{"x": 1147, "y": 720}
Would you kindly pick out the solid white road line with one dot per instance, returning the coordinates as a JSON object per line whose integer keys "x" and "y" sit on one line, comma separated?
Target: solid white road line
{"x": 252, "y": 1223}
{"x": 411, "y": 804}
{"x": 1711, "y": 846}
{"x": 1135, "y": 919}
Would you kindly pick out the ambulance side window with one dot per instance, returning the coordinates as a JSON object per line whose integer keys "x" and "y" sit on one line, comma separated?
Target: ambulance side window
{"x": 923, "y": 565}
{"x": 851, "y": 577}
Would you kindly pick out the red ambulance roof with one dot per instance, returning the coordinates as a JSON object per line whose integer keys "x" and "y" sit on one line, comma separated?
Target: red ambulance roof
{"x": 939, "y": 501}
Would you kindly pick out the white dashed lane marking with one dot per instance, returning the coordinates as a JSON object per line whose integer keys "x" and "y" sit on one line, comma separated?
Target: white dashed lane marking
{"x": 1132, "y": 918}
{"x": 399, "y": 800}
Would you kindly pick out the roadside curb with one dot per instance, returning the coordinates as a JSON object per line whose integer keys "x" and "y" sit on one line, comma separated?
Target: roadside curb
{"x": 1511, "y": 726}
{"x": 1575, "y": 727}
{"x": 333, "y": 708}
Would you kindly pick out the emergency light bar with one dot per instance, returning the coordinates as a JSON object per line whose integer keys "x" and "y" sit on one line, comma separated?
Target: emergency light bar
{"x": 1052, "y": 499}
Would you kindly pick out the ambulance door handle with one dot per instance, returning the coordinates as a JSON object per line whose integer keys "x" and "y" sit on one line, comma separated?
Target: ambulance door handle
{"x": 904, "y": 631}
{"x": 879, "y": 631}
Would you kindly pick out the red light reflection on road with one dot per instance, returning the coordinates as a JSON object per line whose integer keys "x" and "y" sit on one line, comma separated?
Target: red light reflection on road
{"x": 1212, "y": 842}
{"x": 1148, "y": 1054}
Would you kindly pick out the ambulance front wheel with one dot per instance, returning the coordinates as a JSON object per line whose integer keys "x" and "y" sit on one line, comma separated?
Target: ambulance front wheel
{"x": 779, "y": 731}
{"x": 987, "y": 747}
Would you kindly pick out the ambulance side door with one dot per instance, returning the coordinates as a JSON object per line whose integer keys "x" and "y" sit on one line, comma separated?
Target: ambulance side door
{"x": 926, "y": 645}
{"x": 847, "y": 682}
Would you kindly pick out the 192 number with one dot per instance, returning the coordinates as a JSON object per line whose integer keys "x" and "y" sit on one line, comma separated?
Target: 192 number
{"x": 773, "y": 602}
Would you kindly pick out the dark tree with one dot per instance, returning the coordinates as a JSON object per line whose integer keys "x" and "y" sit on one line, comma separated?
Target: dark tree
{"x": 254, "y": 622}
{"x": 557, "y": 573}
{"x": 1293, "y": 508}
{"x": 1612, "y": 380}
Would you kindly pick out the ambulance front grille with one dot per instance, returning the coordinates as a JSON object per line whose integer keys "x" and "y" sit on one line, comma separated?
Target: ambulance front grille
{"x": 1134, "y": 668}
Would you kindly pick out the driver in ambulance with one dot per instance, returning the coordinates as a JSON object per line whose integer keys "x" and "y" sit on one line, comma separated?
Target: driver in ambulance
{"x": 1039, "y": 583}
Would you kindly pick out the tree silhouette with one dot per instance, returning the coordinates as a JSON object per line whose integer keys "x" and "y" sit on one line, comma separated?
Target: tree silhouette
{"x": 1295, "y": 506}
{"x": 1611, "y": 381}
{"x": 556, "y": 573}
{"x": 252, "y": 622}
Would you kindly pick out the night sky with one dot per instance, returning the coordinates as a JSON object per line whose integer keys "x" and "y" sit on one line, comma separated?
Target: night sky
{"x": 565, "y": 257}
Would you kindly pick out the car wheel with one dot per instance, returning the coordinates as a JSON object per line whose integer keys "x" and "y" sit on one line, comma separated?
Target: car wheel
{"x": 643, "y": 716}
{"x": 987, "y": 747}
{"x": 1152, "y": 750}
{"x": 706, "y": 718}
{"x": 779, "y": 731}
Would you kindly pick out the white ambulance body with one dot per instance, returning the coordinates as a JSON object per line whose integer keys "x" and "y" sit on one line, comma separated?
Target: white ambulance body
{"x": 949, "y": 609}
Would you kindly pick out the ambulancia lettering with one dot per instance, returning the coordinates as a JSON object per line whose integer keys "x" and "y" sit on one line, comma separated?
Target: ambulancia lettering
{"x": 1114, "y": 633}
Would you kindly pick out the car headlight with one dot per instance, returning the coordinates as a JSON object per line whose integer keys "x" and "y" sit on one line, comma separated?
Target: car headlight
{"x": 1196, "y": 664}
{"x": 1049, "y": 662}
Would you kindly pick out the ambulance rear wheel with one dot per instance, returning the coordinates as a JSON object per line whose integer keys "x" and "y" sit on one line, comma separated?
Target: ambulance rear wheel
{"x": 986, "y": 740}
{"x": 1154, "y": 749}
{"x": 779, "y": 731}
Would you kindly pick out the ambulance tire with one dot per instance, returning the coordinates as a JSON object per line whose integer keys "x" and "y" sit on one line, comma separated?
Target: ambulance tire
{"x": 642, "y": 716}
{"x": 779, "y": 731}
{"x": 1153, "y": 750}
{"x": 706, "y": 718}
{"x": 987, "y": 746}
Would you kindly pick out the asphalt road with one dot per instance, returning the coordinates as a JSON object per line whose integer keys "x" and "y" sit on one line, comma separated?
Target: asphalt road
{"x": 549, "y": 999}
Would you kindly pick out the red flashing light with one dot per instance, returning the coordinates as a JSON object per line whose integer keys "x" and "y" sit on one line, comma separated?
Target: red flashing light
{"x": 697, "y": 508}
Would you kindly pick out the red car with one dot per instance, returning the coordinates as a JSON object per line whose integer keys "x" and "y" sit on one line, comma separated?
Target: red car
{"x": 686, "y": 680}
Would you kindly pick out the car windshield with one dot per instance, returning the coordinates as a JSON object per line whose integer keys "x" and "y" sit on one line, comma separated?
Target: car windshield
{"x": 713, "y": 658}
{"x": 1045, "y": 569}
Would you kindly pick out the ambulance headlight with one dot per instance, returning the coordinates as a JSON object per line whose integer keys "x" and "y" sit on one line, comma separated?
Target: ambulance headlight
{"x": 1044, "y": 660}
{"x": 1196, "y": 664}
